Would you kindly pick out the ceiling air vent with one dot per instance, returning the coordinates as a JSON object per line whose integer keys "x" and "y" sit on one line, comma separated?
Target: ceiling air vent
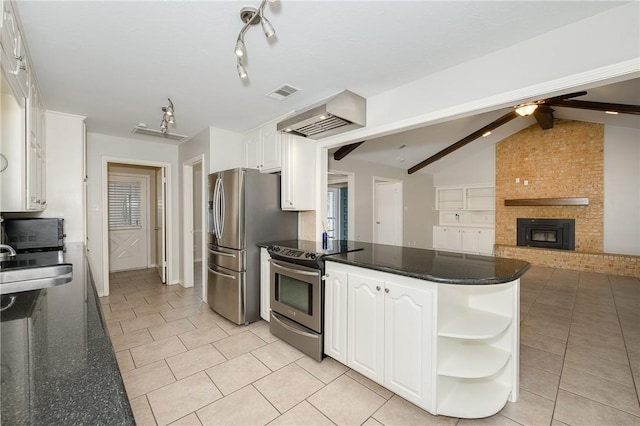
{"x": 139, "y": 130}
{"x": 341, "y": 113}
{"x": 283, "y": 92}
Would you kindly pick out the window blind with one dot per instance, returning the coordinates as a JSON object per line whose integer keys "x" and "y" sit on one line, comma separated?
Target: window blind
{"x": 125, "y": 205}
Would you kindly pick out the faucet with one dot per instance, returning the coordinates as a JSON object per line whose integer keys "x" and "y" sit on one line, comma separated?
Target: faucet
{"x": 7, "y": 248}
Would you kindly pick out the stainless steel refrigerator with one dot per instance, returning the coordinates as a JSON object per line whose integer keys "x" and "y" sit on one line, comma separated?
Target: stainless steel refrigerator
{"x": 244, "y": 210}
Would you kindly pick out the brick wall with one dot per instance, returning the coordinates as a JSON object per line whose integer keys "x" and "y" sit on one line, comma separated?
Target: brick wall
{"x": 566, "y": 161}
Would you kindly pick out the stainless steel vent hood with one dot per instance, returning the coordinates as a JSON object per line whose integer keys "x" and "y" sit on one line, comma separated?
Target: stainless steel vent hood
{"x": 341, "y": 113}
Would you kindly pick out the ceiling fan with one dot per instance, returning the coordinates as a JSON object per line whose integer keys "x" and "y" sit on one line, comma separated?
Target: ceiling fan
{"x": 542, "y": 112}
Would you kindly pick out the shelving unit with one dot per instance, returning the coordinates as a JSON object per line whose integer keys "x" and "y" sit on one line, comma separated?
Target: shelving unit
{"x": 460, "y": 209}
{"x": 478, "y": 335}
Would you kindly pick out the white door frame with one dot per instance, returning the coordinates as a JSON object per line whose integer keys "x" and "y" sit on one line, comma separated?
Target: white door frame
{"x": 187, "y": 222}
{"x": 147, "y": 209}
{"x": 399, "y": 208}
{"x": 105, "y": 213}
{"x": 351, "y": 201}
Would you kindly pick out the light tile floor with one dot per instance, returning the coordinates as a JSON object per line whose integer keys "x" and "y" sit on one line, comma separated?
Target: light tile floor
{"x": 183, "y": 364}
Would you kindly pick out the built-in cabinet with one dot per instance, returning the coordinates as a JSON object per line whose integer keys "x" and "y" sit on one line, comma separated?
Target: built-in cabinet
{"x": 23, "y": 154}
{"x": 450, "y": 349}
{"x": 466, "y": 219}
{"x": 294, "y": 157}
{"x": 265, "y": 284}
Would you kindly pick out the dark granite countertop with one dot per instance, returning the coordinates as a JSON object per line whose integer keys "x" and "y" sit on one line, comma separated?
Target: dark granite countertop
{"x": 437, "y": 266}
{"x": 58, "y": 365}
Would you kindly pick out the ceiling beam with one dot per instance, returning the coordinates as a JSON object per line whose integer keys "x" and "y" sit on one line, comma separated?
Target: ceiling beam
{"x": 597, "y": 106}
{"x": 462, "y": 142}
{"x": 343, "y": 151}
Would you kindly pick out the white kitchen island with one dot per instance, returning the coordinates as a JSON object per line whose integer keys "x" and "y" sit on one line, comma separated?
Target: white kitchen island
{"x": 439, "y": 329}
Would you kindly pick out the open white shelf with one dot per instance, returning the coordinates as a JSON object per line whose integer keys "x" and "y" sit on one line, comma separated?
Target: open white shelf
{"x": 471, "y": 360}
{"x": 473, "y": 324}
{"x": 474, "y": 399}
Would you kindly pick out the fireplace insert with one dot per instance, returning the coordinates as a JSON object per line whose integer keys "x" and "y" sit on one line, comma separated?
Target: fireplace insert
{"x": 547, "y": 233}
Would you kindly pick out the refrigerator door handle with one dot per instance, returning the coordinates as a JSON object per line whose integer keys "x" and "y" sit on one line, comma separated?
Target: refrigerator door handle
{"x": 219, "y": 253}
{"x": 222, "y": 208}
{"x": 216, "y": 209}
{"x": 221, "y": 274}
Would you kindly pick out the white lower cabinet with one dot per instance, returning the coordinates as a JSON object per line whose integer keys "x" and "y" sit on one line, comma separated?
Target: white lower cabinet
{"x": 335, "y": 314}
{"x": 389, "y": 329}
{"x": 449, "y": 349}
{"x": 464, "y": 240}
{"x": 265, "y": 284}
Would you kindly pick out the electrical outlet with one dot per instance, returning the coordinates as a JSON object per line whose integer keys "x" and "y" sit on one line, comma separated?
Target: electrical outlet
{"x": 517, "y": 180}
{"x": 526, "y": 182}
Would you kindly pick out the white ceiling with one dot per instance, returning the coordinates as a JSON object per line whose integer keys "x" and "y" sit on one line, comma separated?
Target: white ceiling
{"x": 116, "y": 62}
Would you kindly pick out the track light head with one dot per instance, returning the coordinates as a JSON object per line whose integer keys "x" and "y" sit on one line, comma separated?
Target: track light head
{"x": 267, "y": 28}
{"x": 242, "y": 71}
{"x": 240, "y": 48}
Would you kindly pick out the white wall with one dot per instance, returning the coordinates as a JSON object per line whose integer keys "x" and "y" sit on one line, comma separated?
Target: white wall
{"x": 135, "y": 151}
{"x": 417, "y": 195}
{"x": 65, "y": 172}
{"x": 227, "y": 150}
{"x": 479, "y": 168}
{"x": 621, "y": 190}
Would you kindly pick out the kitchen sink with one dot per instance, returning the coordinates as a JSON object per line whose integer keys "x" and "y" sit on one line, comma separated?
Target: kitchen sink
{"x": 25, "y": 279}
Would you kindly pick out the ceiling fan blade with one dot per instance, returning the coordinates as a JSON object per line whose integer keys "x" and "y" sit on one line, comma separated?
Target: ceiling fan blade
{"x": 597, "y": 106}
{"x": 462, "y": 142}
{"x": 562, "y": 97}
{"x": 544, "y": 116}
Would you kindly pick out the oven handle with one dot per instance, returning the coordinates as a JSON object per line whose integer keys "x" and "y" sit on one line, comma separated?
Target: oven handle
{"x": 292, "y": 329}
{"x": 221, "y": 274}
{"x": 295, "y": 271}
{"x": 221, "y": 253}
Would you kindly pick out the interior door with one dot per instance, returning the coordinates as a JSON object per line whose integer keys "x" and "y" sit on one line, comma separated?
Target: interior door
{"x": 387, "y": 226}
{"x": 128, "y": 222}
{"x": 161, "y": 229}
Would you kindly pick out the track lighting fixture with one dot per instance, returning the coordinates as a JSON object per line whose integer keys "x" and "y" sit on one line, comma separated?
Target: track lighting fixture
{"x": 251, "y": 16}
{"x": 167, "y": 117}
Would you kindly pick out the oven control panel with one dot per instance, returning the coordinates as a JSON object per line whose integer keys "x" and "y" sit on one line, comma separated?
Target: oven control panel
{"x": 291, "y": 253}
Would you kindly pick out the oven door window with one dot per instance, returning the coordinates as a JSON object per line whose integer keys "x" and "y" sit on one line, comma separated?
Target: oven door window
{"x": 294, "y": 293}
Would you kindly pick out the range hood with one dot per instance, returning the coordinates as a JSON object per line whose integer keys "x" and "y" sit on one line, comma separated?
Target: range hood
{"x": 341, "y": 113}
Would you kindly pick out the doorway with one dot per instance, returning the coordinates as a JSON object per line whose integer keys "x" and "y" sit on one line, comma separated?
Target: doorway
{"x": 145, "y": 213}
{"x": 129, "y": 222}
{"x": 387, "y": 214}
{"x": 194, "y": 225}
{"x": 340, "y": 205}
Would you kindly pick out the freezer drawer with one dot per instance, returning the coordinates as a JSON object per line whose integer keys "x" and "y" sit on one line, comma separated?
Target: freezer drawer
{"x": 226, "y": 293}
{"x": 236, "y": 260}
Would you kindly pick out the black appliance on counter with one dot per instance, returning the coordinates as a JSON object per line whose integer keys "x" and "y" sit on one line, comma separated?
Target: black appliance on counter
{"x": 37, "y": 242}
{"x": 297, "y": 291}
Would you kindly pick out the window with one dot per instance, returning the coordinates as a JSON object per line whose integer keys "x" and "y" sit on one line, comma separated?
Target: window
{"x": 125, "y": 205}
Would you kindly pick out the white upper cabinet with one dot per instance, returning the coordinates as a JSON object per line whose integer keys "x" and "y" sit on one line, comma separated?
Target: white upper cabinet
{"x": 271, "y": 151}
{"x": 264, "y": 149}
{"x": 22, "y": 164}
{"x": 298, "y": 173}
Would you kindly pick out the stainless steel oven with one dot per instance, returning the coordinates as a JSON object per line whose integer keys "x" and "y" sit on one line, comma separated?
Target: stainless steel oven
{"x": 296, "y": 292}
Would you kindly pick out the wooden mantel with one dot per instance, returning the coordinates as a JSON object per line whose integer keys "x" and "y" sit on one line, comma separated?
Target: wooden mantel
{"x": 571, "y": 201}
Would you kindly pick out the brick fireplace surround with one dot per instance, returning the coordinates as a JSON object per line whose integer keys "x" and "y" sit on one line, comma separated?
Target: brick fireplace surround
{"x": 566, "y": 161}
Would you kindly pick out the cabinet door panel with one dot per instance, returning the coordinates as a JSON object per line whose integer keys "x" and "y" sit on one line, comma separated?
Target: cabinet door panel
{"x": 470, "y": 240}
{"x": 335, "y": 316}
{"x": 366, "y": 326}
{"x": 271, "y": 150}
{"x": 253, "y": 151}
{"x": 408, "y": 350}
